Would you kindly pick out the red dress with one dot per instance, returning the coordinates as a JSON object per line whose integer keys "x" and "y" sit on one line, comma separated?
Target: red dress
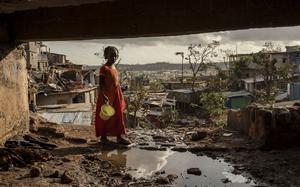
{"x": 114, "y": 126}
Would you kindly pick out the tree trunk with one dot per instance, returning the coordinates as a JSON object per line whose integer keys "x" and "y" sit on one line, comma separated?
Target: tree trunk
{"x": 135, "y": 119}
{"x": 193, "y": 83}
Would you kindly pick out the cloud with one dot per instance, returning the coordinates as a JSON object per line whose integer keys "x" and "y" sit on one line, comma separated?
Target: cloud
{"x": 154, "y": 49}
{"x": 284, "y": 34}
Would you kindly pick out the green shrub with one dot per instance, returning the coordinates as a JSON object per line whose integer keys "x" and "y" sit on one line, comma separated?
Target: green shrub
{"x": 213, "y": 103}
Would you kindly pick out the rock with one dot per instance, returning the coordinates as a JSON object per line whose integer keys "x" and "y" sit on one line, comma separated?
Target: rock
{"x": 194, "y": 171}
{"x": 105, "y": 164}
{"x": 162, "y": 180}
{"x": 50, "y": 132}
{"x": 154, "y": 148}
{"x": 65, "y": 159}
{"x": 179, "y": 149}
{"x": 116, "y": 173}
{"x": 33, "y": 123}
{"x": 172, "y": 177}
{"x": 51, "y": 173}
{"x": 225, "y": 180}
{"x": 143, "y": 144}
{"x": 76, "y": 140}
{"x": 127, "y": 177}
{"x": 39, "y": 141}
{"x": 167, "y": 144}
{"x": 198, "y": 135}
{"x": 35, "y": 172}
{"x": 66, "y": 179}
{"x": 199, "y": 148}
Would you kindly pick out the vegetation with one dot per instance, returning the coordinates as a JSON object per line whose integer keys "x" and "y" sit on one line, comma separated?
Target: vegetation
{"x": 213, "y": 103}
{"x": 135, "y": 104}
{"x": 266, "y": 67}
{"x": 199, "y": 56}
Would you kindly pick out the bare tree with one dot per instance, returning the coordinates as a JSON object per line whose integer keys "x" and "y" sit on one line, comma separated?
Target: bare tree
{"x": 198, "y": 56}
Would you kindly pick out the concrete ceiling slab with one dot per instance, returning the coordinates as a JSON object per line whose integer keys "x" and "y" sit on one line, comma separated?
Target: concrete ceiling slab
{"x": 92, "y": 19}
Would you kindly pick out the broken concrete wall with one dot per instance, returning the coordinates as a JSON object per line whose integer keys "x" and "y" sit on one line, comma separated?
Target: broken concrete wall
{"x": 272, "y": 127}
{"x": 14, "y": 114}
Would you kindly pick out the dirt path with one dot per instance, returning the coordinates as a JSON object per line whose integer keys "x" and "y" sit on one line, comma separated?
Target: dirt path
{"x": 80, "y": 161}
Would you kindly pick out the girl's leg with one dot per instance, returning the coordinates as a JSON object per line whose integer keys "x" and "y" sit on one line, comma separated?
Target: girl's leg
{"x": 122, "y": 140}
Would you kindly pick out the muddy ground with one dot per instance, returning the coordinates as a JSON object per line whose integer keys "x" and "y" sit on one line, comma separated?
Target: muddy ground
{"x": 79, "y": 160}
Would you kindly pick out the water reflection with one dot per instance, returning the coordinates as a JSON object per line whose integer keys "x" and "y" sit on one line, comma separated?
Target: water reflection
{"x": 145, "y": 163}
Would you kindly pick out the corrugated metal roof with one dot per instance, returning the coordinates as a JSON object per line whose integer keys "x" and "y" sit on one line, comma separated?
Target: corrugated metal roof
{"x": 76, "y": 118}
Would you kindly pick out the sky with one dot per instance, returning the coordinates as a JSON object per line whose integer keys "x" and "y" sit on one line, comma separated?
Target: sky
{"x": 162, "y": 49}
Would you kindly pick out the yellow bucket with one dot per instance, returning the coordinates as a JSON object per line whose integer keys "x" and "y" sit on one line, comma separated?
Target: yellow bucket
{"x": 106, "y": 112}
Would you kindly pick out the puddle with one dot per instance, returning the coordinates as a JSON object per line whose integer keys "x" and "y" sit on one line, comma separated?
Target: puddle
{"x": 144, "y": 163}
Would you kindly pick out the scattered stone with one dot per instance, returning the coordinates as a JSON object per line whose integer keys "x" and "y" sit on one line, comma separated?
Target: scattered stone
{"x": 162, "y": 180}
{"x": 35, "y": 172}
{"x": 39, "y": 141}
{"x": 51, "y": 173}
{"x": 154, "y": 148}
{"x": 172, "y": 177}
{"x": 179, "y": 149}
{"x": 50, "y": 132}
{"x": 65, "y": 178}
{"x": 198, "y": 135}
{"x": 65, "y": 159}
{"x": 199, "y": 148}
{"x": 21, "y": 157}
{"x": 194, "y": 171}
{"x": 74, "y": 140}
{"x": 105, "y": 164}
{"x": 127, "y": 177}
{"x": 116, "y": 173}
{"x": 225, "y": 180}
{"x": 143, "y": 144}
{"x": 167, "y": 144}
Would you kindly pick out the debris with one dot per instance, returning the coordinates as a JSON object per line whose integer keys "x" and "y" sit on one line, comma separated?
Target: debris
{"x": 225, "y": 180}
{"x": 179, "y": 149}
{"x": 198, "y": 135}
{"x": 74, "y": 140}
{"x": 162, "y": 180}
{"x": 127, "y": 177}
{"x": 194, "y": 171}
{"x": 35, "y": 172}
{"x": 64, "y": 159}
{"x": 65, "y": 178}
{"x": 21, "y": 157}
{"x": 199, "y": 148}
{"x": 154, "y": 148}
{"x": 39, "y": 142}
{"x": 172, "y": 177}
{"x": 227, "y": 134}
{"x": 51, "y": 173}
{"x": 116, "y": 173}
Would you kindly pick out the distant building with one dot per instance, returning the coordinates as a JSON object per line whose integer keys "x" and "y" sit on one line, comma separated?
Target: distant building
{"x": 35, "y": 56}
{"x": 55, "y": 58}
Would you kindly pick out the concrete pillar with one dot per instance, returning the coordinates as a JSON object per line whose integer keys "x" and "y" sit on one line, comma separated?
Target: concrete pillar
{"x": 14, "y": 112}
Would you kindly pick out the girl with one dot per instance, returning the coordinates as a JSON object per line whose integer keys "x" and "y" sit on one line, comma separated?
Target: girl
{"x": 110, "y": 91}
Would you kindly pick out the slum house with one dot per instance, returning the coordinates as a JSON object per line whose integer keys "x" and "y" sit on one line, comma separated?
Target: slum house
{"x": 85, "y": 95}
{"x": 238, "y": 99}
{"x": 19, "y": 15}
{"x": 289, "y": 60}
{"x": 185, "y": 97}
